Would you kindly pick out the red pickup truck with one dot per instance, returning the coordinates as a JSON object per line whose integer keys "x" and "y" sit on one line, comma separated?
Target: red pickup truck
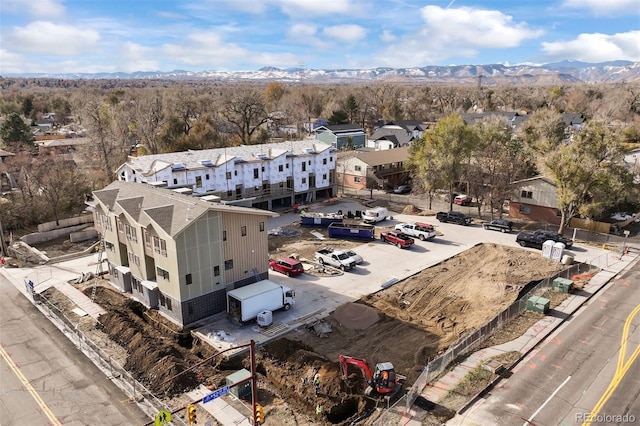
{"x": 397, "y": 238}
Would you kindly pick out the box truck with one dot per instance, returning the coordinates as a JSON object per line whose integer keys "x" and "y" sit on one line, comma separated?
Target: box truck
{"x": 245, "y": 303}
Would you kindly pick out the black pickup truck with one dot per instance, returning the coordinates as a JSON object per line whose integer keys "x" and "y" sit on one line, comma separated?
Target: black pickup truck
{"x": 537, "y": 238}
{"x": 453, "y": 217}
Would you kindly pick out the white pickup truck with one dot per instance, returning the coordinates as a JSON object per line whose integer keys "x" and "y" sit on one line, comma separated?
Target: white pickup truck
{"x": 336, "y": 258}
{"x": 423, "y": 231}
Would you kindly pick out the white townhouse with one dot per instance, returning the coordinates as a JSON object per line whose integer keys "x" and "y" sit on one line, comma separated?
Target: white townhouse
{"x": 264, "y": 176}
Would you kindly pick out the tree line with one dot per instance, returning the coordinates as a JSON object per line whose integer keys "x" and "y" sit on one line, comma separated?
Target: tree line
{"x": 157, "y": 117}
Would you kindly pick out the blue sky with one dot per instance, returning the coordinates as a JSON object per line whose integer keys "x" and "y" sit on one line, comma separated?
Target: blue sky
{"x": 74, "y": 36}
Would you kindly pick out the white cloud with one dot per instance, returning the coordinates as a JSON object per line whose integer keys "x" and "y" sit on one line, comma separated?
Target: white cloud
{"x": 345, "y": 33}
{"x": 387, "y": 36}
{"x": 310, "y": 7}
{"x": 456, "y": 32}
{"x": 53, "y": 39}
{"x": 604, "y": 7}
{"x": 136, "y": 57}
{"x": 208, "y": 50}
{"x": 40, "y": 9}
{"x": 302, "y": 30}
{"x": 596, "y": 47}
{"x": 10, "y": 62}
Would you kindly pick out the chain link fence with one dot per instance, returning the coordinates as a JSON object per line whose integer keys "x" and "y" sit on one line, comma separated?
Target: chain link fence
{"x": 470, "y": 342}
{"x": 138, "y": 393}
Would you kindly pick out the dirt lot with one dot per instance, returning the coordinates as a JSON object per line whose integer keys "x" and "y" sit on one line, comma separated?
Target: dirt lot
{"x": 406, "y": 324}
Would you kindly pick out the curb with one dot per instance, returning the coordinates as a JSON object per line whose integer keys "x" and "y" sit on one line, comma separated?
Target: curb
{"x": 495, "y": 381}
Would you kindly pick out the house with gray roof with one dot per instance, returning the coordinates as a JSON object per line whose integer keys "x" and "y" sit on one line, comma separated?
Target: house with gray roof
{"x": 178, "y": 253}
{"x": 342, "y": 136}
{"x": 372, "y": 169}
{"x": 266, "y": 176}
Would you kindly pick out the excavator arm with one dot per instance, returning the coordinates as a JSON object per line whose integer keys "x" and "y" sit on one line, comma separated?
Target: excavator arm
{"x": 345, "y": 360}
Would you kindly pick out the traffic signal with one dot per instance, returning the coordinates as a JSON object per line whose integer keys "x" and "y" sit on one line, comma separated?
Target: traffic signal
{"x": 259, "y": 414}
{"x": 191, "y": 414}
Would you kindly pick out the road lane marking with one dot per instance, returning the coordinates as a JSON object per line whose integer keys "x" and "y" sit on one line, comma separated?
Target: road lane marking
{"x": 621, "y": 368}
{"x": 528, "y": 422}
{"x": 45, "y": 408}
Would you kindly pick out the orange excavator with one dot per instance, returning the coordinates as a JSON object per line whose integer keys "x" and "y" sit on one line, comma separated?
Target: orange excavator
{"x": 384, "y": 382}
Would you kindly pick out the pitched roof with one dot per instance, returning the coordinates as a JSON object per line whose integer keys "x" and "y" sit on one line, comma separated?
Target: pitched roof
{"x": 337, "y": 128}
{"x": 384, "y": 156}
{"x": 164, "y": 208}
{"x": 398, "y": 136}
{"x": 219, "y": 156}
{"x": 408, "y": 124}
{"x": 531, "y": 179}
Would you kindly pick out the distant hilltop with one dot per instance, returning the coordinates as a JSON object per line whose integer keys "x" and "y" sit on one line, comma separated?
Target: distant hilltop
{"x": 555, "y": 73}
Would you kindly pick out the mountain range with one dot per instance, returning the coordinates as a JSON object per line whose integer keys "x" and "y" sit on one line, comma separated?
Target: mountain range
{"x": 553, "y": 73}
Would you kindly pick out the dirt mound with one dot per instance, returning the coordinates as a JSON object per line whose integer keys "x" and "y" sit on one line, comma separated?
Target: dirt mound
{"x": 356, "y": 315}
{"x": 158, "y": 352}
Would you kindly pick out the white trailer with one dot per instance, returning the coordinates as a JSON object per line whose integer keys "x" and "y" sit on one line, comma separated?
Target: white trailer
{"x": 245, "y": 303}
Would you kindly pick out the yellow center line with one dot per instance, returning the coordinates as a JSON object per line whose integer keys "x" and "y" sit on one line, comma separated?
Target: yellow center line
{"x": 47, "y": 411}
{"x": 621, "y": 368}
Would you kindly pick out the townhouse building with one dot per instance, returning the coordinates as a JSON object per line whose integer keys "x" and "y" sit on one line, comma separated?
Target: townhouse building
{"x": 178, "y": 253}
{"x": 263, "y": 176}
{"x": 382, "y": 169}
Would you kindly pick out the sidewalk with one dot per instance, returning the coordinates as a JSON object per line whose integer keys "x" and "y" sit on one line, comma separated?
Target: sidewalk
{"x": 437, "y": 391}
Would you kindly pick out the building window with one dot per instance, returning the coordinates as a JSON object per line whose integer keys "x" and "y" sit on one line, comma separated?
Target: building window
{"x": 235, "y": 173}
{"x": 229, "y": 193}
{"x": 169, "y": 304}
{"x": 526, "y": 194}
{"x": 224, "y": 235}
{"x": 261, "y": 226}
{"x": 206, "y": 176}
{"x": 324, "y": 176}
{"x": 280, "y": 168}
{"x": 525, "y": 209}
{"x": 228, "y": 264}
{"x": 228, "y": 175}
{"x": 146, "y": 236}
{"x": 304, "y": 166}
{"x": 262, "y": 169}
{"x": 162, "y": 273}
{"x": 281, "y": 184}
{"x": 216, "y": 271}
{"x": 198, "y": 181}
{"x": 287, "y": 165}
{"x": 309, "y": 162}
{"x": 357, "y": 179}
{"x": 175, "y": 181}
{"x": 330, "y": 158}
{"x": 130, "y": 231}
{"x": 304, "y": 181}
{"x": 189, "y": 279}
{"x": 358, "y": 168}
{"x": 109, "y": 246}
{"x": 160, "y": 246}
{"x": 255, "y": 173}
{"x": 243, "y": 231}
{"x": 163, "y": 300}
{"x": 324, "y": 161}
{"x": 120, "y": 225}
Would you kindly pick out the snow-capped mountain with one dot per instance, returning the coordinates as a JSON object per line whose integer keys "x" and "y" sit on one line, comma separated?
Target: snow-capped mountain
{"x": 560, "y": 72}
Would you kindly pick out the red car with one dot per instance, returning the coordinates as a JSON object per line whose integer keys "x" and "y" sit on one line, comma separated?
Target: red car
{"x": 397, "y": 238}
{"x": 288, "y": 266}
{"x": 462, "y": 200}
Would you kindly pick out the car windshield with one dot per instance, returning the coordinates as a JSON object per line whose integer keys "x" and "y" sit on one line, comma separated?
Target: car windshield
{"x": 343, "y": 256}
{"x": 351, "y": 253}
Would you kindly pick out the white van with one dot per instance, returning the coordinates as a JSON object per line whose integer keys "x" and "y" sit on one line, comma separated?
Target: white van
{"x": 375, "y": 215}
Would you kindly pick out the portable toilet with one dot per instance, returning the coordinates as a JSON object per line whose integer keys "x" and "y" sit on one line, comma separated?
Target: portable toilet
{"x": 562, "y": 285}
{"x": 556, "y": 251}
{"x": 547, "y": 246}
{"x": 538, "y": 304}
{"x": 242, "y": 391}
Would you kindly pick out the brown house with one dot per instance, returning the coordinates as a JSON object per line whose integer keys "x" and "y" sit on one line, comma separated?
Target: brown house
{"x": 535, "y": 199}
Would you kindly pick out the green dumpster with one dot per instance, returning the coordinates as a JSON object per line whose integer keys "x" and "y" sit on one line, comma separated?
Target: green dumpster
{"x": 538, "y": 304}
{"x": 562, "y": 285}
{"x": 242, "y": 391}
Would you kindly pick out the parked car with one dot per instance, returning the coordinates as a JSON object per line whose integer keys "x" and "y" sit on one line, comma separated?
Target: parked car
{"x": 424, "y": 231}
{"x": 537, "y": 239}
{"x": 288, "y": 266}
{"x": 462, "y": 200}
{"x": 355, "y": 256}
{"x": 336, "y": 258}
{"x": 499, "y": 225}
{"x": 397, "y": 238}
{"x": 453, "y": 217}
{"x": 402, "y": 189}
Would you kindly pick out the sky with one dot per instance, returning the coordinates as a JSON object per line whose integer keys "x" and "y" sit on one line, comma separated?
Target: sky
{"x": 91, "y": 36}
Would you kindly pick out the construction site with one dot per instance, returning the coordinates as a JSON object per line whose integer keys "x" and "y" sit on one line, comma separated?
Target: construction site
{"x": 370, "y": 349}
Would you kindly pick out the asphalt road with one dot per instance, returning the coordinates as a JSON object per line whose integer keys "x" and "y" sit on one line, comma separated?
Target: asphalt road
{"x": 564, "y": 380}
{"x": 45, "y": 380}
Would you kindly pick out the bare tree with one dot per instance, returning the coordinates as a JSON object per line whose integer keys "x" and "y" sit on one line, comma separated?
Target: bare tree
{"x": 245, "y": 111}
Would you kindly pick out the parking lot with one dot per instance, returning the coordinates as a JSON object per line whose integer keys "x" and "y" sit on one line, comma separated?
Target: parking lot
{"x": 383, "y": 264}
